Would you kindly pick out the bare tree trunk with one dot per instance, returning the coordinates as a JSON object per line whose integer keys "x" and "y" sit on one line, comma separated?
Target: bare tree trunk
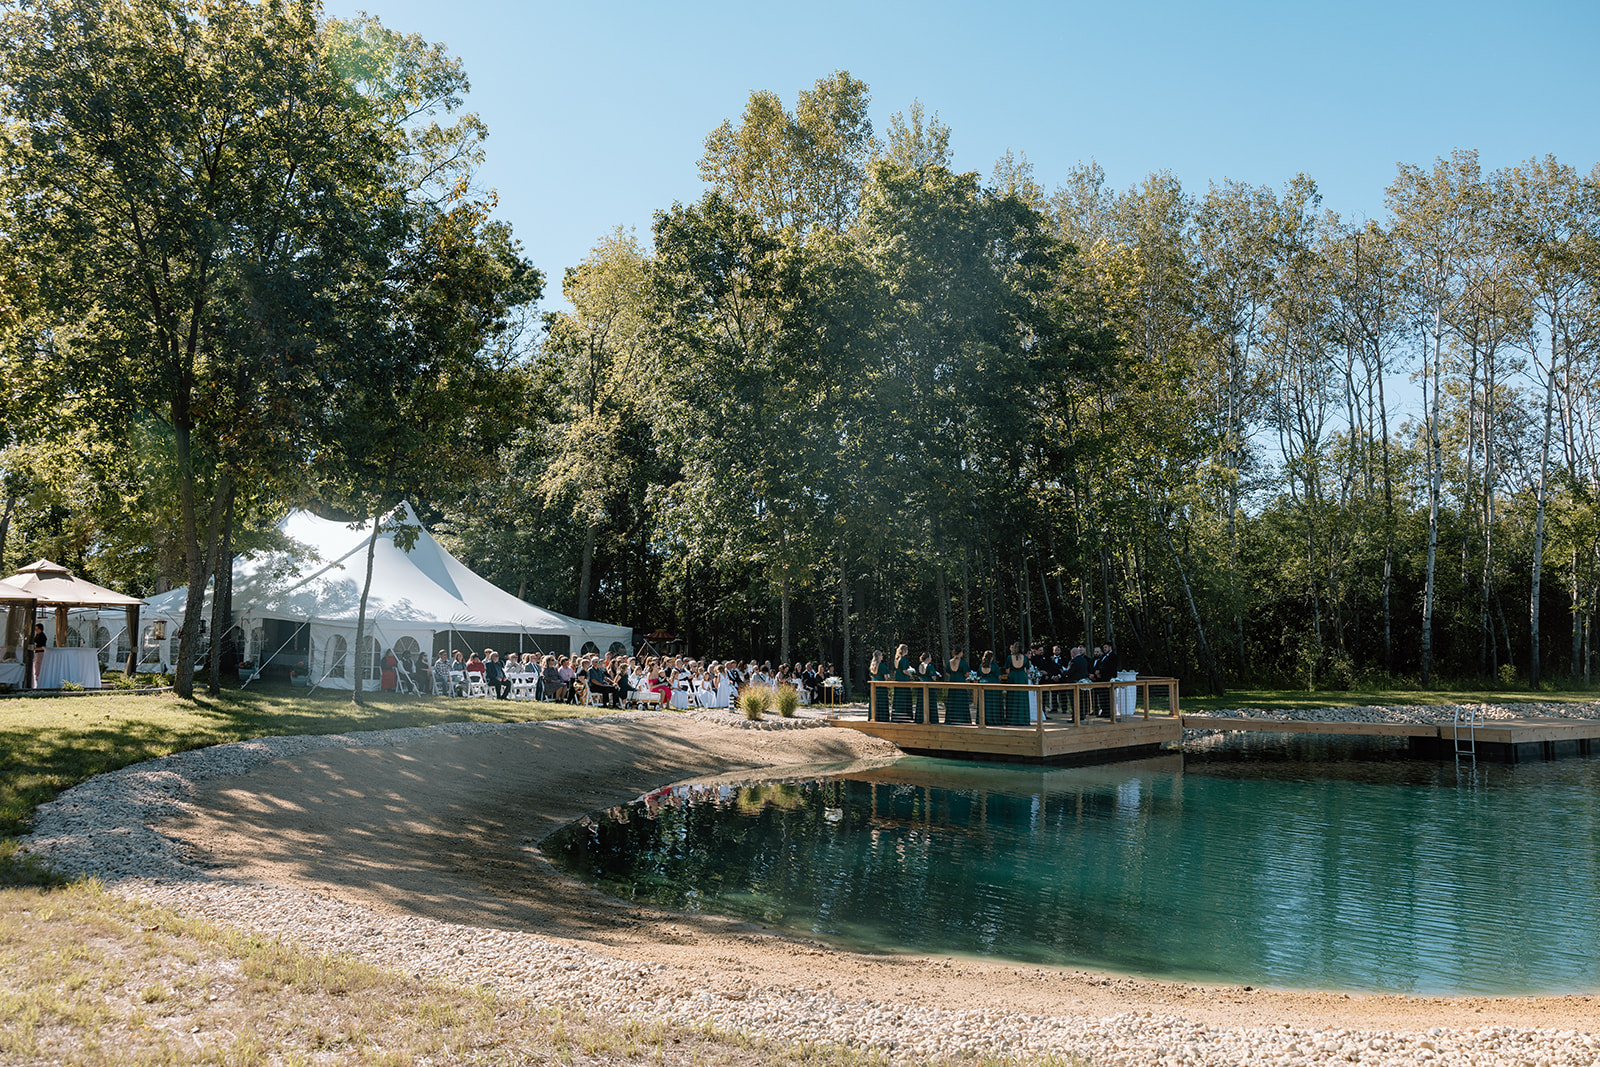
{"x": 783, "y": 624}
{"x": 5, "y": 528}
{"x": 1105, "y": 593}
{"x": 1433, "y": 507}
{"x": 966, "y": 614}
{"x": 1049, "y": 611}
{"x": 844, "y": 621}
{"x": 1194, "y": 613}
{"x": 944, "y": 611}
{"x": 1538, "y": 521}
{"x": 361, "y": 614}
{"x": 221, "y": 589}
{"x": 586, "y": 569}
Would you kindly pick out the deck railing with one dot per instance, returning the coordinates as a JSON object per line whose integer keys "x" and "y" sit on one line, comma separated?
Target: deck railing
{"x": 978, "y": 706}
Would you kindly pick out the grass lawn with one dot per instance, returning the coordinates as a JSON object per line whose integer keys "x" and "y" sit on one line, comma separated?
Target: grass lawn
{"x": 1195, "y": 701}
{"x": 89, "y": 978}
{"x": 48, "y": 744}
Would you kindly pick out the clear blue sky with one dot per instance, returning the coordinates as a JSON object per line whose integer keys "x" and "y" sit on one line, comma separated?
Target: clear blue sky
{"x": 597, "y": 111}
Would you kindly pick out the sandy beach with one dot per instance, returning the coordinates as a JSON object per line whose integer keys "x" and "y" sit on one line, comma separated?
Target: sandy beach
{"x": 444, "y": 828}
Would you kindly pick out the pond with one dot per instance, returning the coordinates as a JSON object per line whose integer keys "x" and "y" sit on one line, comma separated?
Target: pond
{"x": 1292, "y": 862}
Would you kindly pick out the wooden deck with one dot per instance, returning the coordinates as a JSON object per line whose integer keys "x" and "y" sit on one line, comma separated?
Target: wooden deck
{"x": 1064, "y": 737}
{"x": 1504, "y": 740}
{"x": 1141, "y": 730}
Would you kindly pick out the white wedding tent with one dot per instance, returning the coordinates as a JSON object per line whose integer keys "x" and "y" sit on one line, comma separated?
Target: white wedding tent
{"x": 298, "y": 609}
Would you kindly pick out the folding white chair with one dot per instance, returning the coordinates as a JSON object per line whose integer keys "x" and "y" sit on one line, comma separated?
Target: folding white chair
{"x": 476, "y": 686}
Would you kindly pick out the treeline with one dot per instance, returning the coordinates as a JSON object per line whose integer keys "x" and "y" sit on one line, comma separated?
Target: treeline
{"x": 851, "y": 397}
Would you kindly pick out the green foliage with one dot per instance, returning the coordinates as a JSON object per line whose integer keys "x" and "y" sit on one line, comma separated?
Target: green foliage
{"x": 785, "y": 699}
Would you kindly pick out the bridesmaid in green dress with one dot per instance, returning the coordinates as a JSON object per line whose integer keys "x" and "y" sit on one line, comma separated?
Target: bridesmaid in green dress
{"x": 879, "y": 672}
{"x": 993, "y": 702}
{"x": 904, "y": 671}
{"x": 958, "y": 702}
{"x": 1017, "y": 674}
{"x": 928, "y": 671}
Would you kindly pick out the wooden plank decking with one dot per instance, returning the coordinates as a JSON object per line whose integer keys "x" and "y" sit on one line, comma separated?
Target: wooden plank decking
{"x": 1065, "y": 739}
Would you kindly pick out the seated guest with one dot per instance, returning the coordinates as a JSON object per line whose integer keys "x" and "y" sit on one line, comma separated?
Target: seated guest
{"x": 602, "y": 685}
{"x": 441, "y": 675}
{"x": 553, "y": 688}
{"x": 568, "y": 679}
{"x": 494, "y": 674}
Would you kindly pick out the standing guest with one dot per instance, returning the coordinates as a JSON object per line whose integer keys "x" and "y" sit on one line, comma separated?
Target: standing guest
{"x": 389, "y": 680}
{"x": 958, "y": 702}
{"x": 1077, "y": 672}
{"x": 928, "y": 671}
{"x": 1016, "y": 673}
{"x": 993, "y": 701}
{"x": 1104, "y": 669}
{"x": 904, "y": 671}
{"x": 39, "y": 643}
{"x": 878, "y": 671}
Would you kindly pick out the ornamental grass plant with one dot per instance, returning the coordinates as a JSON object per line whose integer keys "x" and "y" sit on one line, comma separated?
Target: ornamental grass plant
{"x": 786, "y": 698}
{"x": 755, "y": 701}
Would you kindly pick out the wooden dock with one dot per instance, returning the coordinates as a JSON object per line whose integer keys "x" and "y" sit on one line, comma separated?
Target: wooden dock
{"x": 1499, "y": 740}
{"x": 920, "y": 722}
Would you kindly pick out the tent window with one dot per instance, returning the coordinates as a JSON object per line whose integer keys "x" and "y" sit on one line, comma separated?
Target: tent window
{"x": 618, "y": 648}
{"x": 368, "y": 658}
{"x": 338, "y": 649}
{"x": 588, "y": 647}
{"x": 102, "y": 644}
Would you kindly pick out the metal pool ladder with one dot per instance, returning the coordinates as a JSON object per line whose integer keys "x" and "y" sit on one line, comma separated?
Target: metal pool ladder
{"x": 1469, "y": 743}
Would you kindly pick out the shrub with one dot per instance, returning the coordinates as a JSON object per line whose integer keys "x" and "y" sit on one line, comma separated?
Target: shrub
{"x": 786, "y": 698}
{"x": 71, "y": 687}
{"x": 1508, "y": 674}
{"x": 755, "y": 701}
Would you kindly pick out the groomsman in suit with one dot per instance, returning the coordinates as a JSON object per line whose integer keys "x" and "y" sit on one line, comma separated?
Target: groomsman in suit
{"x": 1104, "y": 669}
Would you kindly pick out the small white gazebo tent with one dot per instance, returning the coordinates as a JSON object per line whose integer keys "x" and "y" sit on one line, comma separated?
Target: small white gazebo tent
{"x": 43, "y": 584}
{"x": 299, "y": 609}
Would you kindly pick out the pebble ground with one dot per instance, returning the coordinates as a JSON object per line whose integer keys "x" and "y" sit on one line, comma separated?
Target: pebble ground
{"x": 106, "y": 828}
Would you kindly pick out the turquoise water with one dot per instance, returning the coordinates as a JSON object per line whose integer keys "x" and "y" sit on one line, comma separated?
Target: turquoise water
{"x": 1297, "y": 862}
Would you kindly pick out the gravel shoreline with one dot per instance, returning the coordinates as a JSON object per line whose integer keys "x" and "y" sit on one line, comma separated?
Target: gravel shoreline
{"x": 108, "y": 828}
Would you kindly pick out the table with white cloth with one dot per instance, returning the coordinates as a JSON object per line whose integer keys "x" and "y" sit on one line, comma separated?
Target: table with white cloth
{"x": 80, "y": 665}
{"x": 11, "y": 673}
